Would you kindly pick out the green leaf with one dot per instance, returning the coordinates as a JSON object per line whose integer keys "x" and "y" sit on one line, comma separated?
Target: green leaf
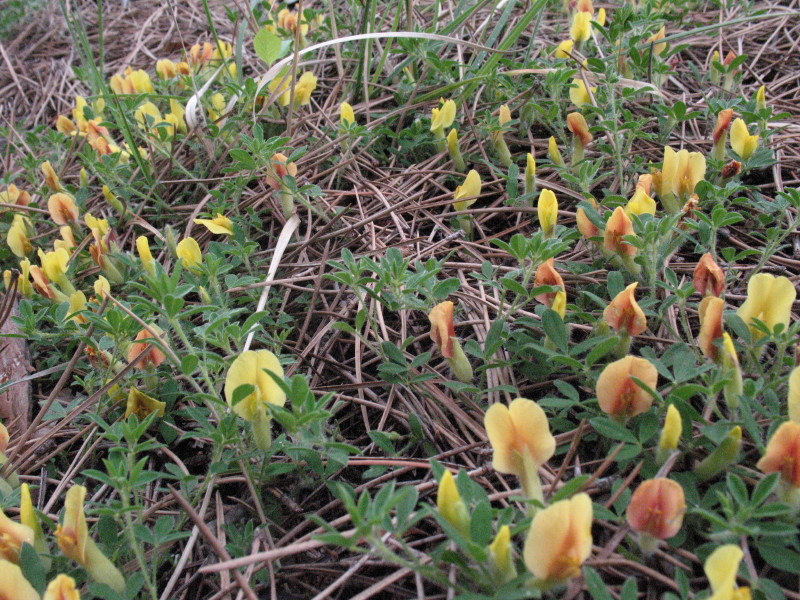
{"x": 268, "y": 46}
{"x": 594, "y": 583}
{"x": 553, "y": 326}
{"x": 612, "y": 430}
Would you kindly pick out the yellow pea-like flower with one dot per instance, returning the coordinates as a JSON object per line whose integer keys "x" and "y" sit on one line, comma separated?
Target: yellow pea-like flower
{"x": 188, "y": 251}
{"x": 742, "y": 142}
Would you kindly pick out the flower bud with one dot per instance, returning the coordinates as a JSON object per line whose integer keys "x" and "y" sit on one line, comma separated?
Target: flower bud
{"x": 451, "y": 507}
{"x": 670, "y": 435}
{"x": 722, "y": 456}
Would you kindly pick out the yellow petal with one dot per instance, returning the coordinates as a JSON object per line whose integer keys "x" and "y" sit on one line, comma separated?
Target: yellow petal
{"x": 641, "y": 204}
{"x": 188, "y": 251}
{"x": 221, "y": 225}
{"x": 520, "y": 428}
{"x": 466, "y": 194}
{"x": 672, "y": 430}
{"x": 443, "y": 117}
{"x": 346, "y": 114}
{"x": 779, "y": 307}
{"x": 62, "y": 588}
{"x": 547, "y": 208}
{"x": 248, "y": 368}
{"x": 14, "y": 585}
{"x": 581, "y": 29}
{"x": 560, "y": 539}
{"x": 73, "y": 533}
{"x": 721, "y": 567}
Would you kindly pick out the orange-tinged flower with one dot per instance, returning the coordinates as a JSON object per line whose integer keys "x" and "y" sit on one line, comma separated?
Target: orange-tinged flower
{"x": 518, "y": 432}
{"x": 585, "y": 226}
{"x": 577, "y": 125}
{"x": 625, "y": 314}
{"x": 560, "y": 540}
{"x": 769, "y": 299}
{"x": 546, "y": 274}
{"x": 618, "y": 226}
{"x": 442, "y": 328}
{"x": 13, "y": 195}
{"x": 645, "y": 182}
{"x": 782, "y": 454}
{"x": 711, "y": 330}
{"x": 151, "y": 355}
{"x": 656, "y": 508}
{"x": 166, "y": 69}
{"x": 723, "y": 122}
{"x": 280, "y": 168}
{"x": 40, "y": 283}
{"x": 13, "y": 585}
{"x": 618, "y": 394}
{"x": 12, "y": 536}
{"x": 51, "y": 180}
{"x": 708, "y": 277}
{"x": 62, "y": 208}
{"x": 62, "y": 588}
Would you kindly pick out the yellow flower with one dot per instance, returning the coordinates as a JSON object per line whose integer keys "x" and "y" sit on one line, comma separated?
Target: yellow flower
{"x": 564, "y": 49}
{"x": 176, "y": 116}
{"x": 504, "y": 116}
{"x": 721, "y": 568}
{"x": 794, "y": 395}
{"x": 681, "y": 172}
{"x": 578, "y": 93}
{"x": 560, "y": 540}
{"x": 521, "y": 441}
{"x": 640, "y": 204}
{"x": 102, "y": 287}
{"x": 249, "y": 369}
{"x": 601, "y": 17}
{"x": 450, "y": 506}
{"x": 141, "y": 405}
{"x": 443, "y": 117}
{"x": 13, "y": 584}
{"x": 27, "y": 517}
{"x": 769, "y": 299}
{"x": 617, "y": 393}
{"x": 761, "y": 98}
{"x": 65, "y": 125}
{"x": 742, "y": 142}
{"x": 13, "y": 195}
{"x": 530, "y": 174}
{"x": 466, "y": 194}
{"x": 73, "y": 539}
{"x": 54, "y": 264}
{"x": 77, "y": 304}
{"x": 218, "y": 106}
{"x": 143, "y": 248}
{"x": 188, "y": 251}
{"x": 67, "y": 241}
{"x": 62, "y": 588}
{"x": 671, "y": 433}
{"x": 658, "y": 48}
{"x": 166, "y": 69}
{"x": 12, "y": 536}
{"x": 141, "y": 82}
{"x": 500, "y": 558}
{"x": 553, "y": 153}
{"x": 547, "y": 210}
{"x": 560, "y": 303}
{"x": 18, "y": 236}
{"x": 581, "y": 29}
{"x": 221, "y": 225}
{"x": 304, "y": 88}
{"x": 346, "y": 114}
